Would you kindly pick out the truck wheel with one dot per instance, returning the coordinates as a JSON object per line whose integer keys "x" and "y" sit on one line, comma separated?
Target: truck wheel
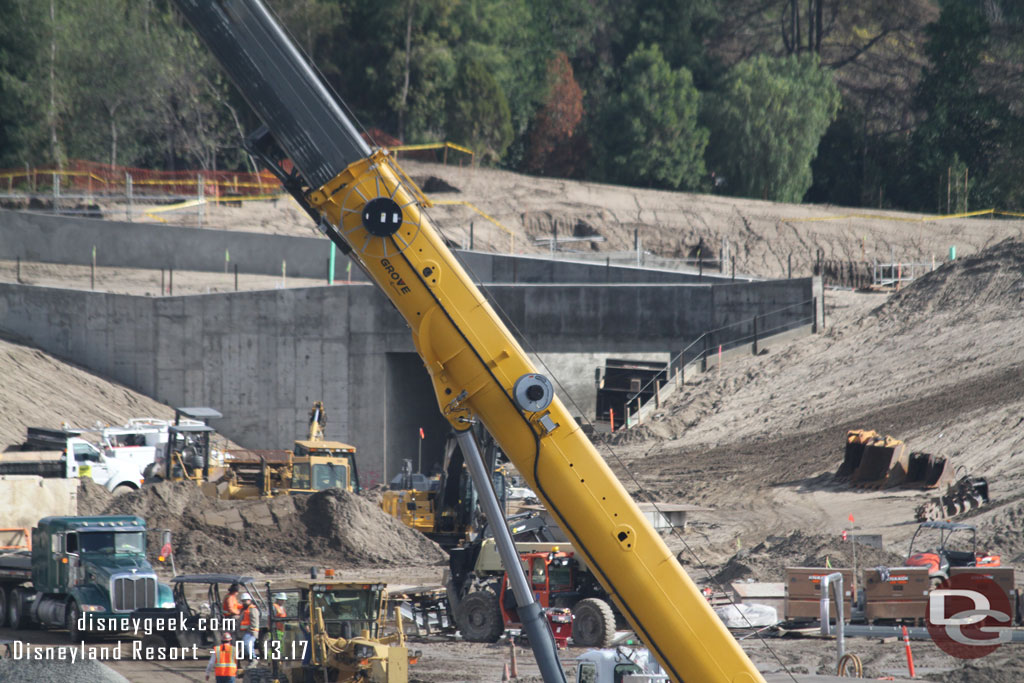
{"x": 152, "y": 642}
{"x": 481, "y": 620}
{"x": 71, "y": 622}
{"x": 593, "y": 623}
{"x": 257, "y": 675}
{"x": 3, "y": 606}
{"x": 122, "y": 489}
{"x": 16, "y": 617}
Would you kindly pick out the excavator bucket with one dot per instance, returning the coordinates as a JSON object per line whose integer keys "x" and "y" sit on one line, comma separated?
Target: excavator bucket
{"x": 855, "y": 442}
{"x": 884, "y": 463}
{"x": 928, "y": 471}
{"x": 940, "y": 472}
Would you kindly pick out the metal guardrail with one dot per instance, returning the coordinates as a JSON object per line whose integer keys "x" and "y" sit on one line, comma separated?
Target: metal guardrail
{"x": 711, "y": 344}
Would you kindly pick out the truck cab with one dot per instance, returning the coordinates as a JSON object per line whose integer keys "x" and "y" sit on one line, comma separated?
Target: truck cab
{"x": 117, "y": 475}
{"x": 619, "y": 665}
{"x": 84, "y": 570}
{"x": 64, "y": 454}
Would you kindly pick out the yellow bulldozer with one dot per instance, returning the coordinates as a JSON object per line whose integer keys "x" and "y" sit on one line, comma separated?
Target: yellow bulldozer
{"x": 315, "y": 464}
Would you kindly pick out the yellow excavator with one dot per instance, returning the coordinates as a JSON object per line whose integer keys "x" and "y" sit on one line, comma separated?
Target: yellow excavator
{"x": 362, "y": 201}
{"x": 447, "y": 512}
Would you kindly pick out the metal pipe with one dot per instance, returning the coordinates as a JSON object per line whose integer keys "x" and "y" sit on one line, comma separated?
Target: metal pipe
{"x": 534, "y": 624}
{"x": 833, "y": 579}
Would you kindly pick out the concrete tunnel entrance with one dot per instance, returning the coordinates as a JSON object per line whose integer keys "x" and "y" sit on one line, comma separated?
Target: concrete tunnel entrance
{"x": 410, "y": 405}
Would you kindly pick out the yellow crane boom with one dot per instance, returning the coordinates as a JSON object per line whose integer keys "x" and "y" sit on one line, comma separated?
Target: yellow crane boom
{"x": 476, "y": 365}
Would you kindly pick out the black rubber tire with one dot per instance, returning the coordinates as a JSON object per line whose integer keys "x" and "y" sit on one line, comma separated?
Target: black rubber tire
{"x": 71, "y": 615}
{"x": 122, "y": 489}
{"x": 152, "y": 640}
{"x": 16, "y": 617}
{"x": 3, "y": 606}
{"x": 593, "y": 623}
{"x": 260, "y": 674}
{"x": 480, "y": 618}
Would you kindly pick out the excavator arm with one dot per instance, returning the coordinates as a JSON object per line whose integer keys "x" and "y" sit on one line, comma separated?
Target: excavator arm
{"x": 479, "y": 371}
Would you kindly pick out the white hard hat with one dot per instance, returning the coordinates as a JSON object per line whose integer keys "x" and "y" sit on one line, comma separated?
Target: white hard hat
{"x": 245, "y": 596}
{"x": 280, "y": 596}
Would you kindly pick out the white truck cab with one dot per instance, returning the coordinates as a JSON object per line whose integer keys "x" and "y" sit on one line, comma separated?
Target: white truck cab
{"x": 114, "y": 474}
{"x": 619, "y": 665}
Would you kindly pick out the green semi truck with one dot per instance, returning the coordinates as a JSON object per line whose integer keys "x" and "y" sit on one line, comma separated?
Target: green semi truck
{"x": 83, "y": 574}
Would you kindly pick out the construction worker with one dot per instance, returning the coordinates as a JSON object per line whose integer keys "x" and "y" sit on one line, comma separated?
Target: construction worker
{"x": 222, "y": 661}
{"x": 279, "y": 613}
{"x": 231, "y": 607}
{"x": 249, "y": 626}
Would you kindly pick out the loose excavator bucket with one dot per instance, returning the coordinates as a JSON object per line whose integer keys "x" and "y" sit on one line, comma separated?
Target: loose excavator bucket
{"x": 928, "y": 471}
{"x": 884, "y": 464}
{"x": 855, "y": 442}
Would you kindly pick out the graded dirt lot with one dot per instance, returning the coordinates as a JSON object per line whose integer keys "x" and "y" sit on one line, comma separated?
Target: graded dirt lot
{"x": 755, "y": 442}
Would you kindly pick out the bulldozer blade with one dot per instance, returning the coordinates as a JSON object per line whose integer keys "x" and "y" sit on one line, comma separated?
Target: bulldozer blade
{"x": 884, "y": 463}
{"x": 855, "y": 442}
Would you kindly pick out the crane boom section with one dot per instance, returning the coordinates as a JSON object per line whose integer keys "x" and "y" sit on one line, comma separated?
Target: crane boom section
{"x": 472, "y": 358}
{"x": 474, "y": 362}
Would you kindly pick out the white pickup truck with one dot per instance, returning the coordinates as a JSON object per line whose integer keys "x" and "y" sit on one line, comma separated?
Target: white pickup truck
{"x": 62, "y": 454}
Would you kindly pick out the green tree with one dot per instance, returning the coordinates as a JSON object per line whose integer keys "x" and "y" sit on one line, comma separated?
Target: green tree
{"x": 766, "y": 124}
{"x": 23, "y": 24}
{"x": 478, "y": 112}
{"x": 649, "y": 130}
{"x": 965, "y": 122}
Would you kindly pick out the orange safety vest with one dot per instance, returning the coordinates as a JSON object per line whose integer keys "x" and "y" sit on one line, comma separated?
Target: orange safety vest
{"x": 231, "y": 605}
{"x": 245, "y": 617}
{"x": 280, "y": 611}
{"x": 225, "y": 665}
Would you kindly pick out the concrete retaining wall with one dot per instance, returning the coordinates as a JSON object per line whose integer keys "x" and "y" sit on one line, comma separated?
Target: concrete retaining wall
{"x": 263, "y": 357}
{"x": 25, "y": 499}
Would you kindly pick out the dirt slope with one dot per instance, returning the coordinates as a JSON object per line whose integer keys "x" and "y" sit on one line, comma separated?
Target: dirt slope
{"x": 763, "y": 235}
{"x": 938, "y": 365}
{"x": 40, "y": 390}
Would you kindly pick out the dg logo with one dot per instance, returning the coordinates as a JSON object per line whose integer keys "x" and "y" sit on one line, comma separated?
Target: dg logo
{"x": 969, "y": 616}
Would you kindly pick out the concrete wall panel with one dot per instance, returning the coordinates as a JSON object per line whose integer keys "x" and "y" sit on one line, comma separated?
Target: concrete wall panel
{"x": 263, "y": 357}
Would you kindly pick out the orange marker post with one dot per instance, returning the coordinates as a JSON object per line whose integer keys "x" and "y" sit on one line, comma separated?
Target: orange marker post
{"x": 910, "y": 655}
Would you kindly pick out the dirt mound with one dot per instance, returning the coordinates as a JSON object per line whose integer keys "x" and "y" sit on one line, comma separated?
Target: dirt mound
{"x": 288, "y": 533}
{"x": 1000, "y": 532}
{"x": 93, "y": 499}
{"x": 768, "y": 560}
{"x": 987, "y": 671}
{"x": 982, "y": 287}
